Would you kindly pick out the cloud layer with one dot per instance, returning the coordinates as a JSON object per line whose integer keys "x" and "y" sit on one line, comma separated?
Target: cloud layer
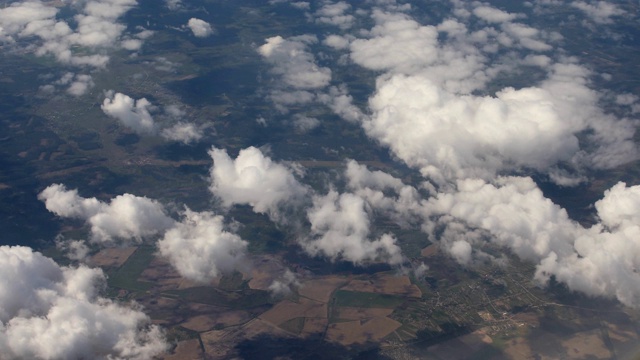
{"x": 53, "y": 312}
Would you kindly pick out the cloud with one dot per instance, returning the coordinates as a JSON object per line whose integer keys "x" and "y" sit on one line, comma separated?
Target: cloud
{"x": 183, "y": 132}
{"x": 81, "y": 85}
{"x": 335, "y": 14}
{"x": 598, "y": 261}
{"x": 133, "y": 114}
{"x": 200, "y": 28}
{"x": 126, "y": 217}
{"x": 199, "y": 247}
{"x": 282, "y": 286}
{"x": 600, "y": 12}
{"x": 493, "y": 15}
{"x": 254, "y": 179}
{"x": 53, "y": 312}
{"x": 293, "y": 63}
{"x": 304, "y": 124}
{"x": 95, "y": 29}
{"x": 340, "y": 231}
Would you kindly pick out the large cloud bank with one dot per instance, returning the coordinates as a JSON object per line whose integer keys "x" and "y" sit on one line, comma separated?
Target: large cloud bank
{"x": 53, "y": 312}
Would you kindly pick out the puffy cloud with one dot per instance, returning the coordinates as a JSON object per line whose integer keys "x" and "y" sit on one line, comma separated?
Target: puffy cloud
{"x": 294, "y": 63}
{"x": 493, "y": 15}
{"x": 335, "y": 14}
{"x": 200, "y": 28}
{"x": 125, "y": 217}
{"x": 183, "y": 132}
{"x": 282, "y": 286}
{"x": 305, "y": 124}
{"x": 601, "y": 260}
{"x": 133, "y": 114}
{"x": 199, "y": 247}
{"x": 451, "y": 136}
{"x": 53, "y": 312}
{"x": 340, "y": 231}
{"x": 96, "y": 28}
{"x": 255, "y": 180}
{"x": 600, "y": 12}
{"x": 81, "y": 85}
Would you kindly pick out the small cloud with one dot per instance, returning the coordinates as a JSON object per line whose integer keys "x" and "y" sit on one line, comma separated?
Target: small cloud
{"x": 200, "y": 28}
{"x": 133, "y": 114}
{"x": 186, "y": 133}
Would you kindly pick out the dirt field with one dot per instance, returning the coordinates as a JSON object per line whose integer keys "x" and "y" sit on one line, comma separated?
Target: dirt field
{"x": 351, "y": 313}
{"x": 314, "y": 326}
{"x": 266, "y": 269}
{"x": 321, "y": 289}
{"x": 429, "y": 250}
{"x": 356, "y": 332}
{"x": 287, "y": 310}
{"x": 186, "y": 350}
{"x": 207, "y": 322}
{"x": 385, "y": 284}
{"x": 587, "y": 345}
{"x": 112, "y": 257}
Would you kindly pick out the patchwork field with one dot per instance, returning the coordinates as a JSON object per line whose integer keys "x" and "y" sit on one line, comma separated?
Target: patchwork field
{"x": 112, "y": 257}
{"x": 357, "y": 332}
{"x": 385, "y": 284}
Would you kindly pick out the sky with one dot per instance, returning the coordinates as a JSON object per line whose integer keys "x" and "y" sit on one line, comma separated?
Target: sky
{"x": 479, "y": 152}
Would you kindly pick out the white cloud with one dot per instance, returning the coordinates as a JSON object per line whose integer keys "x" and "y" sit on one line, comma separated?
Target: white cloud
{"x": 282, "y": 286}
{"x": 126, "y": 217}
{"x": 493, "y": 15}
{"x": 340, "y": 231}
{"x": 200, "y": 248}
{"x": 133, "y": 114}
{"x": 294, "y": 63}
{"x": 335, "y": 14}
{"x": 81, "y": 85}
{"x": 600, "y": 12}
{"x": 96, "y": 29}
{"x": 305, "y": 124}
{"x": 200, "y": 28}
{"x": 255, "y": 180}
{"x": 53, "y": 312}
{"x": 183, "y": 132}
{"x": 601, "y": 260}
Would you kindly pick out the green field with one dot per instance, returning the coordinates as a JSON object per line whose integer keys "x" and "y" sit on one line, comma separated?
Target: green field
{"x": 366, "y": 300}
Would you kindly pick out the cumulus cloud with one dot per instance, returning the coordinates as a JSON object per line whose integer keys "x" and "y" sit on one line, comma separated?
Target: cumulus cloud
{"x": 126, "y": 217}
{"x": 133, "y": 114}
{"x": 96, "y": 29}
{"x": 200, "y": 248}
{"x": 600, "y": 12}
{"x": 335, "y": 14}
{"x": 200, "y": 28}
{"x": 282, "y": 286}
{"x": 598, "y": 261}
{"x": 183, "y": 132}
{"x": 340, "y": 231}
{"x": 294, "y": 63}
{"x": 493, "y": 15}
{"x": 254, "y": 179}
{"x": 53, "y": 312}
{"x": 305, "y": 124}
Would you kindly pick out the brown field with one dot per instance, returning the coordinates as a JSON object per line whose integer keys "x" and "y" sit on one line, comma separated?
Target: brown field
{"x": 587, "y": 345}
{"x": 351, "y": 313}
{"x": 287, "y": 310}
{"x": 266, "y": 269}
{"x": 385, "y": 284}
{"x": 164, "y": 276}
{"x": 186, "y": 350}
{"x": 220, "y": 344}
{"x": 518, "y": 348}
{"x": 207, "y": 322}
{"x": 352, "y": 332}
{"x": 112, "y": 257}
{"x": 314, "y": 326}
{"x": 321, "y": 289}
{"x": 429, "y": 250}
